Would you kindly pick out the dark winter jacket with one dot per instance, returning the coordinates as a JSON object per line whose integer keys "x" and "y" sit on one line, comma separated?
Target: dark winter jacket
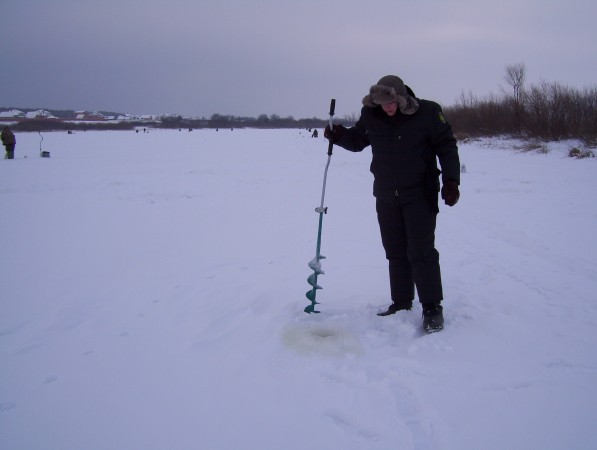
{"x": 8, "y": 138}
{"x": 405, "y": 149}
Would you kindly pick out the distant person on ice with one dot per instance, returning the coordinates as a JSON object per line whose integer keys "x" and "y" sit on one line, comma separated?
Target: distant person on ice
{"x": 9, "y": 142}
{"x": 407, "y": 136}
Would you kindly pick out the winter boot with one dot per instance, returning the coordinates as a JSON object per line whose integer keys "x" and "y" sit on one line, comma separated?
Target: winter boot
{"x": 433, "y": 317}
{"x": 395, "y": 307}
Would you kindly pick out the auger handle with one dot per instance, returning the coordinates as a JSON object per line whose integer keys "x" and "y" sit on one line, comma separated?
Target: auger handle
{"x": 332, "y": 109}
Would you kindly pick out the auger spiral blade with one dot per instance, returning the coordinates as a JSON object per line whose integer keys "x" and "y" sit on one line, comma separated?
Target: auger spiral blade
{"x": 314, "y": 265}
{"x": 312, "y": 280}
{"x": 311, "y": 309}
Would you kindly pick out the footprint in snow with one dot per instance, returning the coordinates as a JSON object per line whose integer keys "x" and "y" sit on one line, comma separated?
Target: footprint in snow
{"x": 7, "y": 406}
{"x": 50, "y": 379}
{"x": 350, "y": 424}
{"x": 428, "y": 432}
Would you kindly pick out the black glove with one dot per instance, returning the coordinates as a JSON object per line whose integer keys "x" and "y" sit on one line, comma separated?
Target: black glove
{"x": 450, "y": 192}
{"x": 334, "y": 134}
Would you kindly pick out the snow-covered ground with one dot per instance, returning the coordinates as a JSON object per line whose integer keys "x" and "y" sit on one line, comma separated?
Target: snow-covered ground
{"x": 152, "y": 288}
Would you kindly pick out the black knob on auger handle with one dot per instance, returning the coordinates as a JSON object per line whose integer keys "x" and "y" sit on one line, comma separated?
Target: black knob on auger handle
{"x": 332, "y": 109}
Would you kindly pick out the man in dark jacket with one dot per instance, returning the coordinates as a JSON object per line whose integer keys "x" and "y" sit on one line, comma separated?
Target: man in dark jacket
{"x": 9, "y": 142}
{"x": 407, "y": 136}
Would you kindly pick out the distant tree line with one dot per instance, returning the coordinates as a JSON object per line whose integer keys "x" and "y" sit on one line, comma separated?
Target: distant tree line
{"x": 216, "y": 121}
{"x": 263, "y": 121}
{"x": 547, "y": 110}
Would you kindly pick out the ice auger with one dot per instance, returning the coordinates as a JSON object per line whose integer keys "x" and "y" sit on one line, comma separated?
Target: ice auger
{"x": 315, "y": 263}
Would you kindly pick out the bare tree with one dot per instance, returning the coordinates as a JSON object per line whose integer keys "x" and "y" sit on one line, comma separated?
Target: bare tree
{"x": 515, "y": 77}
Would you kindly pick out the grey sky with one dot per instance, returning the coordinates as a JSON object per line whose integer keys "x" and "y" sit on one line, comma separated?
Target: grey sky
{"x": 285, "y": 57}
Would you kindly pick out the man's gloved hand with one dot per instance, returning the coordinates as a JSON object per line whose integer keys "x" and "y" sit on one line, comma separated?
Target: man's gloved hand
{"x": 334, "y": 134}
{"x": 450, "y": 192}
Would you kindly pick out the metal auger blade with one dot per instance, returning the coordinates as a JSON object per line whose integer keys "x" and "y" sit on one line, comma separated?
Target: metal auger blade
{"x": 315, "y": 265}
{"x": 312, "y": 280}
{"x": 312, "y": 294}
{"x": 311, "y": 309}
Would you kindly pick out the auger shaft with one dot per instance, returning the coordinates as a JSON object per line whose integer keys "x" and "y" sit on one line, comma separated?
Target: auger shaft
{"x": 315, "y": 263}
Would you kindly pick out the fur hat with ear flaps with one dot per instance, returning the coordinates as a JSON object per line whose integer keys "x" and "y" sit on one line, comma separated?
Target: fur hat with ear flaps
{"x": 391, "y": 89}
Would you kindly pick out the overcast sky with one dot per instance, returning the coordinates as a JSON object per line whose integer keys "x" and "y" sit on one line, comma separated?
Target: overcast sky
{"x": 284, "y": 57}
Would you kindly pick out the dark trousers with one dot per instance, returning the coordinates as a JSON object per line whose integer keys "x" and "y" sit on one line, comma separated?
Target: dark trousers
{"x": 10, "y": 152}
{"x": 407, "y": 226}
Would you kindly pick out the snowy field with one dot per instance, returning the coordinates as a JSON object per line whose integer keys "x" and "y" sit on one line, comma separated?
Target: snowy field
{"x": 152, "y": 288}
